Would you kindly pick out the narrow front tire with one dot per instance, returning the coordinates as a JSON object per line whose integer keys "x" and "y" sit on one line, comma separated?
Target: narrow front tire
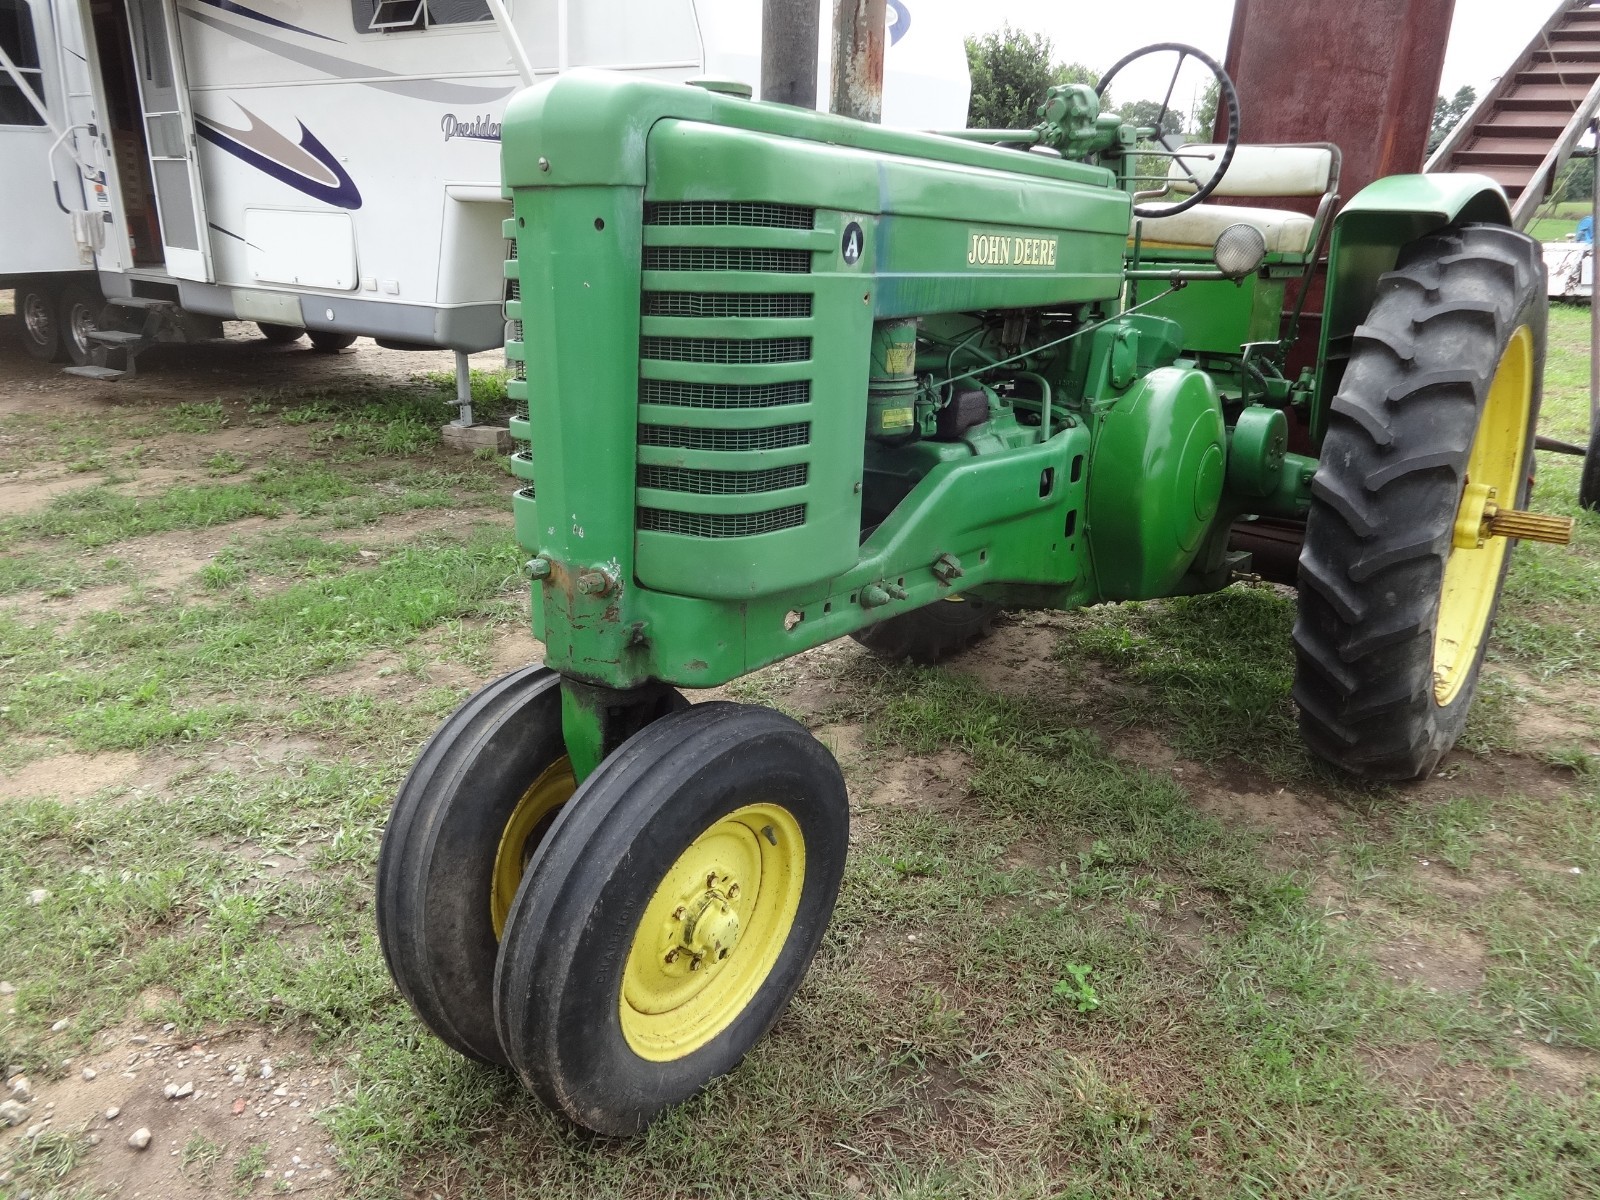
{"x": 672, "y": 913}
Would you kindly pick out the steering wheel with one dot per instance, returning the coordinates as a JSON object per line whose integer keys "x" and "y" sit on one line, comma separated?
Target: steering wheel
{"x": 1226, "y": 95}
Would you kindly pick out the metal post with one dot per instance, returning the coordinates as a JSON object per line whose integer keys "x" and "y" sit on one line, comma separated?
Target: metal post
{"x": 858, "y": 37}
{"x": 463, "y": 390}
{"x": 789, "y": 51}
{"x": 1594, "y": 302}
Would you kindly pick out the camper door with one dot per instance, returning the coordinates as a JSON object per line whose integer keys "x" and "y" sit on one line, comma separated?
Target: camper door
{"x": 169, "y": 131}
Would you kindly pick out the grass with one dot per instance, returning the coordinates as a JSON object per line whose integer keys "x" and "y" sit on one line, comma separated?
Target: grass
{"x": 1069, "y": 958}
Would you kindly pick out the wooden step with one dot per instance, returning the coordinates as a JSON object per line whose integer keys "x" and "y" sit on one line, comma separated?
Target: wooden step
{"x": 1544, "y": 131}
{"x": 1518, "y": 150}
{"x": 1577, "y": 52}
{"x": 1536, "y": 123}
{"x": 1548, "y": 93}
{"x": 1517, "y": 102}
{"x": 1565, "y": 74}
{"x": 105, "y": 374}
{"x": 1507, "y": 177}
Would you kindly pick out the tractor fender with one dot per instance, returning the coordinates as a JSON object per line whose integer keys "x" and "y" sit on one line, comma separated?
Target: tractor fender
{"x": 1367, "y": 238}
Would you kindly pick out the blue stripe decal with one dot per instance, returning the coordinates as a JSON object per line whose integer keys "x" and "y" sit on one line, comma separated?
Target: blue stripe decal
{"x": 345, "y": 195}
{"x": 239, "y": 10}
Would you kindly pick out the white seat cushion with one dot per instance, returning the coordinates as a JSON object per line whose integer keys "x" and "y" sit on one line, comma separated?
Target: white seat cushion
{"x": 1256, "y": 170}
{"x": 1286, "y": 232}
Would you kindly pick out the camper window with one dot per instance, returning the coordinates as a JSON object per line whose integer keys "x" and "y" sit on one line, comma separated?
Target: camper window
{"x": 390, "y": 16}
{"x": 16, "y": 35}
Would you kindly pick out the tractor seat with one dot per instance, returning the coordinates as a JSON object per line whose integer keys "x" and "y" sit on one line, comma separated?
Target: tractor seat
{"x": 1286, "y": 232}
{"x": 1296, "y": 170}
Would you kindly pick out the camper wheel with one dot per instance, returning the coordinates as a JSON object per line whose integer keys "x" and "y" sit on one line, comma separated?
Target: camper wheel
{"x": 280, "y": 335}
{"x": 36, "y": 317}
{"x": 79, "y": 315}
{"x": 326, "y": 341}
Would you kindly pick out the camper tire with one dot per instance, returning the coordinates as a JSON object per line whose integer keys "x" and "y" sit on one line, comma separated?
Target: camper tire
{"x": 327, "y": 341}
{"x": 280, "y": 335}
{"x": 78, "y": 314}
{"x": 38, "y": 322}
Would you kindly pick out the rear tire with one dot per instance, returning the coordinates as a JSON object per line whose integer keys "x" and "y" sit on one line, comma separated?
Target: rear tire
{"x": 1589, "y": 481}
{"x": 280, "y": 335}
{"x": 326, "y": 341}
{"x": 931, "y": 633}
{"x": 1388, "y": 645}
{"x": 38, "y": 318}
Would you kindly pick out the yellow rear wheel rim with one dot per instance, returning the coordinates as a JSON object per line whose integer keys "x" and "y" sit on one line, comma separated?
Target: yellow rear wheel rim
{"x": 712, "y": 932}
{"x": 1494, "y": 472}
{"x": 522, "y": 834}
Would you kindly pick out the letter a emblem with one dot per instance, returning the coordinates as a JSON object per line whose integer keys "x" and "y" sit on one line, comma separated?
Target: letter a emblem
{"x": 852, "y": 245}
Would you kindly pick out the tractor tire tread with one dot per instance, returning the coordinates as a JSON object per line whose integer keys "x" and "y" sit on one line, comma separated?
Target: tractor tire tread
{"x": 1384, "y": 497}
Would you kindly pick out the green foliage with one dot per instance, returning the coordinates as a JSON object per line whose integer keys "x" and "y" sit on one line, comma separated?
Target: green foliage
{"x": 1077, "y": 990}
{"x": 1011, "y": 71}
{"x": 1575, "y": 183}
{"x": 1447, "y": 112}
{"x": 1144, "y": 114}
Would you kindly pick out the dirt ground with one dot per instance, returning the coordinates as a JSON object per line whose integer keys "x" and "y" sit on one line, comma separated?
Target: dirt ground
{"x": 239, "y": 1085}
{"x": 203, "y": 1098}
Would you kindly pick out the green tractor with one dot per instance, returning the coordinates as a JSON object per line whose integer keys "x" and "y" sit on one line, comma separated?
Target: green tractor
{"x": 791, "y": 377}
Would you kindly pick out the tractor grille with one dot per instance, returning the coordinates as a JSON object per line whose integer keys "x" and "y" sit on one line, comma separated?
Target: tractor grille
{"x": 726, "y": 373}
{"x": 723, "y": 483}
{"x": 722, "y": 212}
{"x": 726, "y": 350}
{"x": 776, "y": 437}
{"x": 727, "y": 258}
{"x": 722, "y": 525}
{"x": 682, "y": 394}
{"x": 696, "y": 304}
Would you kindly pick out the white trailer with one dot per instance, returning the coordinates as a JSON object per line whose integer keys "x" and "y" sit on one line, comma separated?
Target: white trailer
{"x": 321, "y": 167}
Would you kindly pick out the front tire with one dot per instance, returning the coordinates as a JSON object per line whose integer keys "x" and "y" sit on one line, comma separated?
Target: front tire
{"x": 671, "y": 914}
{"x": 1440, "y": 399}
{"x": 483, "y": 791}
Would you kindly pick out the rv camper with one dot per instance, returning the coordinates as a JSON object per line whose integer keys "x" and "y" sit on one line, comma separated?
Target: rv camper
{"x": 324, "y": 168}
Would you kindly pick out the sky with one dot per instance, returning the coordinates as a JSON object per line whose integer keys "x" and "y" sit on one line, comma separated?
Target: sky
{"x": 1485, "y": 36}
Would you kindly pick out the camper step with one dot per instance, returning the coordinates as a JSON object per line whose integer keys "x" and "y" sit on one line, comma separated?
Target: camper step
{"x": 104, "y": 373}
{"x": 140, "y": 302}
{"x": 116, "y": 337}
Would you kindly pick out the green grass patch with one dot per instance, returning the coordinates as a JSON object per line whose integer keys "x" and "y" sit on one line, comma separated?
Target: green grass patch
{"x": 127, "y": 679}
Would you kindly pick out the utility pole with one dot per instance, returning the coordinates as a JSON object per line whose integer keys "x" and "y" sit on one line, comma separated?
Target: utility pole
{"x": 789, "y": 51}
{"x": 858, "y": 39}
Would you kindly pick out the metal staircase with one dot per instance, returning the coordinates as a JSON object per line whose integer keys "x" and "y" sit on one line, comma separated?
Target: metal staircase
{"x": 1524, "y": 128}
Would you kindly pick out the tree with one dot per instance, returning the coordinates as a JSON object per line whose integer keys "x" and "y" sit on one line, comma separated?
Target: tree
{"x": 1204, "y": 120}
{"x": 1143, "y": 113}
{"x": 1446, "y": 114}
{"x": 1576, "y": 180}
{"x": 1011, "y": 70}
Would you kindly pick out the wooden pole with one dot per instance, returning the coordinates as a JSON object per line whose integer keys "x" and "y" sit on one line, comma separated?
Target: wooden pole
{"x": 858, "y": 39}
{"x": 789, "y": 51}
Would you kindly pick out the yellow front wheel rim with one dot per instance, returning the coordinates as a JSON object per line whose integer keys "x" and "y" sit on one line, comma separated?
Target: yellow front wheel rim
{"x": 712, "y": 932}
{"x": 522, "y": 835}
{"x": 1494, "y": 474}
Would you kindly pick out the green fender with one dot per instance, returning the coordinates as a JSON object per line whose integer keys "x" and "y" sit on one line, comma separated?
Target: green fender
{"x": 1367, "y": 237}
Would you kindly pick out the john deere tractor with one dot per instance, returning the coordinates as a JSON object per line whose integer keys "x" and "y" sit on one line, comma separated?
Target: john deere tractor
{"x": 790, "y": 378}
